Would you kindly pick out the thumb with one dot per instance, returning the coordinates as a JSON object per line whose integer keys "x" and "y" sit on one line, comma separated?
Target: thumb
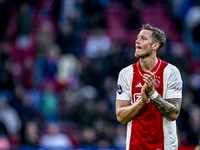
{"x": 143, "y": 87}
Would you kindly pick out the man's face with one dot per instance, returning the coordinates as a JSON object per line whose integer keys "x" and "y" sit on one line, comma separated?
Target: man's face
{"x": 143, "y": 44}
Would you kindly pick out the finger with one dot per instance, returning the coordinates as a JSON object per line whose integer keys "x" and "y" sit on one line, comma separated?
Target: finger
{"x": 149, "y": 79}
{"x": 143, "y": 89}
{"x": 148, "y": 83}
{"x": 151, "y": 73}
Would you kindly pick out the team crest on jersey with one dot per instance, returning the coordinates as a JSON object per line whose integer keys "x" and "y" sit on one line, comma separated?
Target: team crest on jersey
{"x": 157, "y": 82}
{"x": 119, "y": 89}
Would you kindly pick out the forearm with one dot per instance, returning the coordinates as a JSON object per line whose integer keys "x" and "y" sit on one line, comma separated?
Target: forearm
{"x": 127, "y": 113}
{"x": 169, "y": 108}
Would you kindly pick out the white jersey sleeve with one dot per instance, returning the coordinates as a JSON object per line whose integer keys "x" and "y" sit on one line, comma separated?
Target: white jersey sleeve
{"x": 172, "y": 83}
{"x": 124, "y": 83}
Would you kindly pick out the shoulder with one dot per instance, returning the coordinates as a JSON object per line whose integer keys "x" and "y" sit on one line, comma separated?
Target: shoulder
{"x": 126, "y": 74}
{"x": 171, "y": 69}
{"x": 126, "y": 71}
{"x": 172, "y": 72}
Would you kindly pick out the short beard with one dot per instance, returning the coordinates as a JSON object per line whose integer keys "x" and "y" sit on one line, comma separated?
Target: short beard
{"x": 144, "y": 55}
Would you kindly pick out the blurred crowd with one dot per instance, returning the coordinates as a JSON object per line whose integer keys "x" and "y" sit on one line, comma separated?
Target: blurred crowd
{"x": 59, "y": 63}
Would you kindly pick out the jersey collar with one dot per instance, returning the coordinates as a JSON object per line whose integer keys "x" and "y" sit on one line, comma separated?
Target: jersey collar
{"x": 155, "y": 69}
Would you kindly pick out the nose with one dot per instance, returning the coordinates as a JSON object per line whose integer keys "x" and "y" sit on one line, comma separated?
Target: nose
{"x": 137, "y": 41}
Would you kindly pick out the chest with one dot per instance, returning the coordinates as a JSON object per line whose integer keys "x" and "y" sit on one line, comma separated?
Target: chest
{"x": 137, "y": 83}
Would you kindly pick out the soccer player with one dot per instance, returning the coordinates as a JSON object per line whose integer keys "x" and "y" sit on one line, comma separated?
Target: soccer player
{"x": 149, "y": 96}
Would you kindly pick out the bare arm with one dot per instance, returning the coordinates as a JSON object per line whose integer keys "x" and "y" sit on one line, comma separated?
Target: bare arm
{"x": 125, "y": 112}
{"x": 169, "y": 108}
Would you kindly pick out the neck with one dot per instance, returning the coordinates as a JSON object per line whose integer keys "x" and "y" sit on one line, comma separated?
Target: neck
{"x": 147, "y": 64}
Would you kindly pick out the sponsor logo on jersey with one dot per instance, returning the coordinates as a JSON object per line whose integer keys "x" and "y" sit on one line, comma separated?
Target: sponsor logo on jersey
{"x": 137, "y": 97}
{"x": 119, "y": 89}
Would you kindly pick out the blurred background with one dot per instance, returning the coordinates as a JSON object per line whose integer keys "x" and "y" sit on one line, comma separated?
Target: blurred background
{"x": 59, "y": 63}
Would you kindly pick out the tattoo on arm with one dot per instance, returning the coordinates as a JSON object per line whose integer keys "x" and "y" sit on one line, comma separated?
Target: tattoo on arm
{"x": 168, "y": 106}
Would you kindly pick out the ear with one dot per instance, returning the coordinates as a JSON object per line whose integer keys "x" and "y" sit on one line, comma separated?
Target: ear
{"x": 155, "y": 46}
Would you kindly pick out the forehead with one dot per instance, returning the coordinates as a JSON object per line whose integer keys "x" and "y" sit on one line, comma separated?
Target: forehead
{"x": 146, "y": 33}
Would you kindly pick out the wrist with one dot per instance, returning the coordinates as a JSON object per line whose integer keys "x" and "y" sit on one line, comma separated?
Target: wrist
{"x": 154, "y": 95}
{"x": 151, "y": 92}
{"x": 141, "y": 102}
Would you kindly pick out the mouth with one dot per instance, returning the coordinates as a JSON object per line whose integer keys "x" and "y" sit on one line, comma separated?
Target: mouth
{"x": 138, "y": 47}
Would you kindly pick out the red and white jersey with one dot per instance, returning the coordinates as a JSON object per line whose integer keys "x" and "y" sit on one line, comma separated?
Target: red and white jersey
{"x": 149, "y": 129}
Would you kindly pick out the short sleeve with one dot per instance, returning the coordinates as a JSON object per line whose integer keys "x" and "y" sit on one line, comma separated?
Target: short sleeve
{"x": 123, "y": 88}
{"x": 174, "y": 84}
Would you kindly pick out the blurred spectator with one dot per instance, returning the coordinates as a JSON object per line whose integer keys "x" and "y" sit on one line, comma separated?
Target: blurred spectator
{"x": 9, "y": 117}
{"x": 24, "y": 19}
{"x": 26, "y": 111}
{"x": 69, "y": 104}
{"x": 103, "y": 144}
{"x": 49, "y": 105}
{"x": 35, "y": 97}
{"x": 6, "y": 78}
{"x": 120, "y": 137}
{"x": 73, "y": 22}
{"x": 194, "y": 133}
{"x": 103, "y": 112}
{"x": 27, "y": 73}
{"x": 67, "y": 10}
{"x": 110, "y": 90}
{"x": 45, "y": 37}
{"x": 85, "y": 113}
{"x": 95, "y": 14}
{"x": 180, "y": 8}
{"x": 98, "y": 45}
{"x": 118, "y": 57}
{"x": 88, "y": 137}
{"x": 30, "y": 134}
{"x": 45, "y": 10}
{"x": 106, "y": 134}
{"x": 184, "y": 116}
{"x": 134, "y": 8}
{"x": 69, "y": 68}
{"x": 51, "y": 61}
{"x": 46, "y": 64}
{"x": 192, "y": 23}
{"x": 54, "y": 139}
{"x": 194, "y": 81}
{"x": 22, "y": 103}
{"x": 38, "y": 71}
{"x": 93, "y": 70}
{"x": 4, "y": 143}
{"x": 65, "y": 38}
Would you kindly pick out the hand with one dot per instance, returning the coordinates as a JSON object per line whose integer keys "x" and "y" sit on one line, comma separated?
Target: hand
{"x": 149, "y": 80}
{"x": 143, "y": 94}
{"x": 197, "y": 147}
